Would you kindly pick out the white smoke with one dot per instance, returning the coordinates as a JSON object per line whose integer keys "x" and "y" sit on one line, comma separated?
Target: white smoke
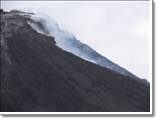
{"x": 63, "y": 38}
{"x": 66, "y": 41}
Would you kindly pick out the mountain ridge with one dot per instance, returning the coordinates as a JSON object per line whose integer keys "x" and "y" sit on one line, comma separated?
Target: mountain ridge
{"x": 70, "y": 43}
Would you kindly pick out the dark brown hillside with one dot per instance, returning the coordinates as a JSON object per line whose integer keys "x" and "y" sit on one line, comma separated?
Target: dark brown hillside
{"x": 36, "y": 75}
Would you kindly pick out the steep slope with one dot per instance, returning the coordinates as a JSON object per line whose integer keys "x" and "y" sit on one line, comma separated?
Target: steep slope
{"x": 37, "y": 75}
{"x": 65, "y": 40}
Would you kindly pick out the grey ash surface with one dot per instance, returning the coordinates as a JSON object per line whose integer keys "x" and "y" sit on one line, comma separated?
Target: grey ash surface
{"x": 38, "y": 76}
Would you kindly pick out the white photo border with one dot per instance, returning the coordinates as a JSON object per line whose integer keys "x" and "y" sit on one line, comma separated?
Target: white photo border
{"x": 151, "y": 70}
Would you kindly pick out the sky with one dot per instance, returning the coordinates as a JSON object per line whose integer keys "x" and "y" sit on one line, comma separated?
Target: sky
{"x": 117, "y": 30}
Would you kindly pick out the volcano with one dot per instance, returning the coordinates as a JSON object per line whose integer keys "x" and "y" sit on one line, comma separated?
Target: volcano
{"x": 46, "y": 69}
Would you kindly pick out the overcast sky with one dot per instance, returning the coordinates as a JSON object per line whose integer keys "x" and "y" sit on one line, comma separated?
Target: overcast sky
{"x": 117, "y": 30}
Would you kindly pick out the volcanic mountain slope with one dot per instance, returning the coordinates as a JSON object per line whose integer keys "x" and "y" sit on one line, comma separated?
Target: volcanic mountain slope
{"x": 37, "y": 75}
{"x": 67, "y": 41}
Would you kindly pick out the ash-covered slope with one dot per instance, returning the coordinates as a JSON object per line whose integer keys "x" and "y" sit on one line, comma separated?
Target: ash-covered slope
{"x": 67, "y": 41}
{"x": 37, "y": 75}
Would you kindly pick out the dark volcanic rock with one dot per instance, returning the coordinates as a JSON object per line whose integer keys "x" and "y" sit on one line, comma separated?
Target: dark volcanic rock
{"x": 36, "y": 75}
